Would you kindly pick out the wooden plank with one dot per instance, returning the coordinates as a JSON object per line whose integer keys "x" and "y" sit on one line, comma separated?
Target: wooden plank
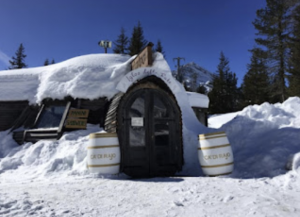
{"x": 78, "y": 113}
{"x": 144, "y": 58}
{"x": 76, "y": 123}
{"x": 60, "y": 128}
{"x": 37, "y": 135}
{"x": 52, "y": 130}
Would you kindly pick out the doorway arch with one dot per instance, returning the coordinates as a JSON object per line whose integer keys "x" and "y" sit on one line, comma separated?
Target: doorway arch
{"x": 150, "y": 130}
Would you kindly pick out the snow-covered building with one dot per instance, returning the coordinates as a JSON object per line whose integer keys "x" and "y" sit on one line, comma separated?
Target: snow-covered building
{"x": 135, "y": 97}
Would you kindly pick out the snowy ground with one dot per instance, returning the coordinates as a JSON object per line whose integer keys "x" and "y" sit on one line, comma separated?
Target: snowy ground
{"x": 50, "y": 178}
{"x": 178, "y": 196}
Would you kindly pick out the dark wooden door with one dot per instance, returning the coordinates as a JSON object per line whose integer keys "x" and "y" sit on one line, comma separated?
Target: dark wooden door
{"x": 150, "y": 134}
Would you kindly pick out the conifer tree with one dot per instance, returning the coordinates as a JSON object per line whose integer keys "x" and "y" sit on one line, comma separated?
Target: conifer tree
{"x": 224, "y": 94}
{"x": 255, "y": 87}
{"x": 272, "y": 23}
{"x": 159, "y": 48}
{"x": 294, "y": 68}
{"x": 201, "y": 89}
{"x": 17, "y": 61}
{"x": 46, "y": 63}
{"x": 137, "y": 41}
{"x": 121, "y": 44}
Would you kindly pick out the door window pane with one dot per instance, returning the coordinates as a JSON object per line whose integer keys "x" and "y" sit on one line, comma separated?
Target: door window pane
{"x": 51, "y": 116}
{"x": 159, "y": 109}
{"x": 137, "y": 108}
{"x": 161, "y": 132}
{"x": 137, "y": 136}
{"x": 137, "y": 128}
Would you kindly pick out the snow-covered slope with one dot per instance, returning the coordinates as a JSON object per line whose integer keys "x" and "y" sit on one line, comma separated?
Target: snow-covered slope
{"x": 50, "y": 178}
{"x": 204, "y": 75}
{"x": 194, "y": 72}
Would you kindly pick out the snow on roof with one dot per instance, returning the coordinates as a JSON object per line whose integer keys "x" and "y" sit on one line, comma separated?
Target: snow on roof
{"x": 198, "y": 100}
{"x": 90, "y": 76}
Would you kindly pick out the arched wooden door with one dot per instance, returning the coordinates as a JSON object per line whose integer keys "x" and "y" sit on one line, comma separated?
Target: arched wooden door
{"x": 149, "y": 126}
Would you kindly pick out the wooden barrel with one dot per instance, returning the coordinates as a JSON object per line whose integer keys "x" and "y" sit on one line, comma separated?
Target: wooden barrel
{"x": 103, "y": 153}
{"x": 215, "y": 154}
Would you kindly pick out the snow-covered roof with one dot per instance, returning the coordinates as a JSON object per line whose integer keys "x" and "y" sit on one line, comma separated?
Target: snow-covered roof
{"x": 88, "y": 77}
{"x": 198, "y": 100}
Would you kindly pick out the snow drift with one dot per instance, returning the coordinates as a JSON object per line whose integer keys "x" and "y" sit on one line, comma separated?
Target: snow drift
{"x": 265, "y": 141}
{"x": 265, "y": 138}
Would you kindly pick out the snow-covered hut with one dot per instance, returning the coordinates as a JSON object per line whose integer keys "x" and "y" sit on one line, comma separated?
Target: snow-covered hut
{"x": 136, "y": 97}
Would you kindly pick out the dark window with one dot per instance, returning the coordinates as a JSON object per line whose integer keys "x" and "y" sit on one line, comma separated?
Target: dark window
{"x": 137, "y": 136}
{"x": 159, "y": 110}
{"x": 137, "y": 108}
{"x": 51, "y": 116}
{"x": 161, "y": 131}
{"x": 137, "y": 129}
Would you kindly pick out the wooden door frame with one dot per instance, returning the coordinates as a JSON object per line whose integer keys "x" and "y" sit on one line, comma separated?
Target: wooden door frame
{"x": 123, "y": 133}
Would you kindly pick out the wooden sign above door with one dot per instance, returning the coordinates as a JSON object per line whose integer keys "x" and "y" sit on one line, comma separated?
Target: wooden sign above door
{"x": 144, "y": 58}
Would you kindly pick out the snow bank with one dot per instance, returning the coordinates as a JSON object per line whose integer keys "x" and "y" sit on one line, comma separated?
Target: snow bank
{"x": 265, "y": 138}
{"x": 191, "y": 130}
{"x": 6, "y": 143}
{"x": 64, "y": 157}
{"x": 265, "y": 141}
{"x": 280, "y": 115}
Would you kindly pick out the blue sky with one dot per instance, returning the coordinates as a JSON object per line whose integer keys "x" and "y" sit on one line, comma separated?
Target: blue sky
{"x": 197, "y": 30}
